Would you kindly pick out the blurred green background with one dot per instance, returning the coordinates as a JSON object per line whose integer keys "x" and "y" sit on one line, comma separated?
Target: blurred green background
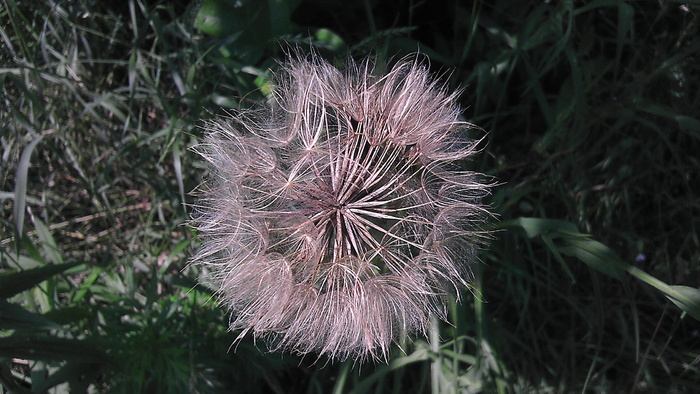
{"x": 593, "y": 118}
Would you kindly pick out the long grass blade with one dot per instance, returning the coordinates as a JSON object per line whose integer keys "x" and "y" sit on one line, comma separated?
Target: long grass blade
{"x": 21, "y": 178}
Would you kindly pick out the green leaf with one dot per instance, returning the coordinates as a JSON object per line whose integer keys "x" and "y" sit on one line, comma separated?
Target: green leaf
{"x": 48, "y": 242}
{"x": 173, "y": 254}
{"x": 596, "y": 255}
{"x": 79, "y": 376}
{"x": 280, "y": 15}
{"x": 177, "y": 166}
{"x": 188, "y": 283}
{"x": 48, "y": 348}
{"x": 601, "y": 258}
{"x": 687, "y": 298}
{"x": 625, "y": 22}
{"x": 557, "y": 255}
{"x": 596, "y": 4}
{"x": 16, "y": 282}
{"x": 87, "y": 283}
{"x": 14, "y": 317}
{"x": 538, "y": 226}
{"x": 69, "y": 314}
{"x": 686, "y": 123}
{"x": 331, "y": 39}
{"x": 421, "y": 354}
{"x": 76, "y": 374}
{"x": 21, "y": 184}
{"x": 218, "y": 18}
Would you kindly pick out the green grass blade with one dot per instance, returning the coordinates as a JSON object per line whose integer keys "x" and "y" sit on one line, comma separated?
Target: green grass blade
{"x": 21, "y": 184}
{"x": 537, "y": 226}
{"x": 595, "y": 255}
{"x": 685, "y": 297}
{"x": 14, "y": 317}
{"x": 48, "y": 242}
{"x": 363, "y": 386}
{"x": 51, "y": 349}
{"x": 14, "y": 283}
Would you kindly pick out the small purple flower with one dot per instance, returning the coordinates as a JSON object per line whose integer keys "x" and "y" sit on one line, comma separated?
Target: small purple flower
{"x": 338, "y": 216}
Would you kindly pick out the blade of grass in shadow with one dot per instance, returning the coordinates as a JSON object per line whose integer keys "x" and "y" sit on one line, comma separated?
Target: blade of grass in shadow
{"x": 685, "y": 297}
{"x": 596, "y": 255}
{"x": 345, "y": 369}
{"x": 49, "y": 348}
{"x": 603, "y": 259}
{"x": 177, "y": 166}
{"x": 21, "y": 184}
{"x": 11, "y": 284}
{"x": 47, "y": 241}
{"x": 421, "y": 354}
{"x": 14, "y": 317}
{"x": 685, "y": 123}
{"x": 73, "y": 373}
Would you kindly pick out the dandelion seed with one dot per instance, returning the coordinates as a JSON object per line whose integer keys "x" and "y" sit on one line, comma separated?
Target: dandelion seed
{"x": 338, "y": 215}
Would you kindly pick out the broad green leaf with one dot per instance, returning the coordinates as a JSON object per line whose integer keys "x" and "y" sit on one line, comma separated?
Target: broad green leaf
{"x": 69, "y": 314}
{"x": 79, "y": 376}
{"x": 48, "y": 348}
{"x": 601, "y": 258}
{"x": 23, "y": 262}
{"x": 14, "y": 317}
{"x": 596, "y": 255}
{"x": 73, "y": 373}
{"x": 687, "y": 298}
{"x": 16, "y": 282}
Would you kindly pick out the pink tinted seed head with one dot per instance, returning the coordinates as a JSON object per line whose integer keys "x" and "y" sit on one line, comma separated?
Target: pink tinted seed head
{"x": 338, "y": 215}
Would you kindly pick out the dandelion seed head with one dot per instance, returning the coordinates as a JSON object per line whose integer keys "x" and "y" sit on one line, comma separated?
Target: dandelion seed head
{"x": 338, "y": 215}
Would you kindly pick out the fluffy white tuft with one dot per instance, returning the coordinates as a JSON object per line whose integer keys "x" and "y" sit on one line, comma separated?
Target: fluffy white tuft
{"x": 338, "y": 216}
